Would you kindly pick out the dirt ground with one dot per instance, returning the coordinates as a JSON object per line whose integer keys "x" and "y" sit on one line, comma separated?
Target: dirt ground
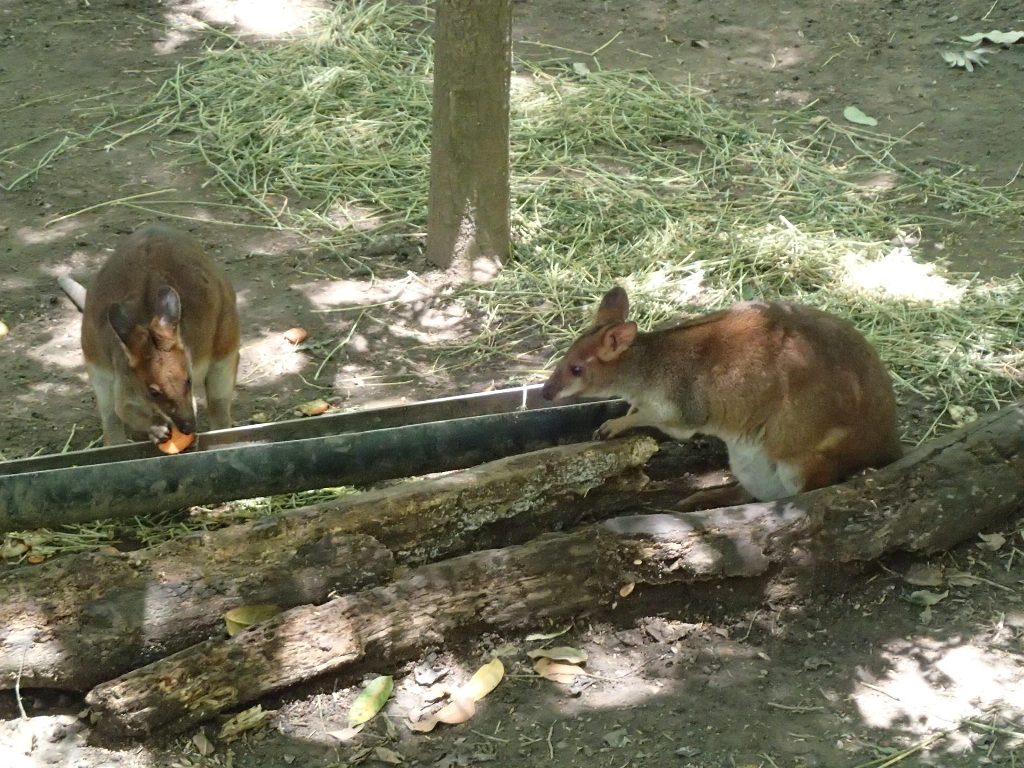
{"x": 760, "y": 679}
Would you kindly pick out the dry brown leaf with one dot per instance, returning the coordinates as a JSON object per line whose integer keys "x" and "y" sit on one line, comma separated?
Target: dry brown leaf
{"x": 347, "y": 734}
{"x": 556, "y": 671}
{"x": 561, "y": 653}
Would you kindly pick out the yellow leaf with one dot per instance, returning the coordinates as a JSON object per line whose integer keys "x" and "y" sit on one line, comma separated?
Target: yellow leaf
{"x": 557, "y": 671}
{"x": 241, "y": 617}
{"x": 484, "y": 680}
{"x": 627, "y": 589}
{"x": 456, "y": 711}
{"x": 370, "y": 700}
{"x": 561, "y": 653}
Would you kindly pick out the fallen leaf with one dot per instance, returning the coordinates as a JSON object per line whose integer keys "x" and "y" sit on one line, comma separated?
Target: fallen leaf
{"x": 854, "y": 115}
{"x": 580, "y": 68}
{"x": 389, "y": 756}
{"x": 12, "y": 548}
{"x": 436, "y": 692}
{"x": 296, "y": 335}
{"x": 557, "y": 671}
{"x": 370, "y": 700}
{"x": 961, "y": 414}
{"x": 547, "y": 636}
{"x": 812, "y": 663}
{"x": 4, "y": 330}
{"x": 458, "y": 710}
{"x": 313, "y": 408}
{"x": 35, "y": 559}
{"x": 627, "y": 589}
{"x": 561, "y": 653}
{"x": 966, "y": 59}
{"x": 923, "y": 575}
{"x": 992, "y": 541}
{"x": 961, "y": 579}
{"x": 926, "y": 598}
{"x": 346, "y": 734}
{"x": 926, "y": 615}
{"x": 483, "y": 681}
{"x": 700, "y": 44}
{"x": 202, "y": 744}
{"x": 426, "y": 725}
{"x": 995, "y": 36}
{"x": 246, "y": 720}
{"x": 424, "y": 675}
{"x": 243, "y": 616}
{"x": 617, "y": 738}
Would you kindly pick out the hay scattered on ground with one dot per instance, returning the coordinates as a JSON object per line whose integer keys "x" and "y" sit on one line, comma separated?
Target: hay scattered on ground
{"x": 617, "y": 178}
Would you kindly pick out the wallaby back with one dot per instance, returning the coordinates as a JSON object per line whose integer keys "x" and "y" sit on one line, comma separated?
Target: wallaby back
{"x": 799, "y": 396}
{"x": 159, "y": 313}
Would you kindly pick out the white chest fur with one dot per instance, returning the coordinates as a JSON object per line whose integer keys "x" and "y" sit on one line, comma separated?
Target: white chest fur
{"x": 758, "y": 473}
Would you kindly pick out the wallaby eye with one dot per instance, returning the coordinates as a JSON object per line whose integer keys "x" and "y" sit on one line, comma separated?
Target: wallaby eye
{"x": 188, "y": 382}
{"x": 154, "y": 392}
{"x": 576, "y": 370}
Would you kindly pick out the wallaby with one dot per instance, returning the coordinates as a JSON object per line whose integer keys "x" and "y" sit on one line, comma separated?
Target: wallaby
{"x": 158, "y": 315}
{"x": 799, "y": 396}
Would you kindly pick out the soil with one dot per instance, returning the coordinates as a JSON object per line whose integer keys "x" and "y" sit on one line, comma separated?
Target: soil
{"x": 766, "y": 677}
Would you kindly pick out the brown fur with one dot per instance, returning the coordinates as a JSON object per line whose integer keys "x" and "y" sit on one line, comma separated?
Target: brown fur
{"x": 158, "y": 311}
{"x": 784, "y": 383}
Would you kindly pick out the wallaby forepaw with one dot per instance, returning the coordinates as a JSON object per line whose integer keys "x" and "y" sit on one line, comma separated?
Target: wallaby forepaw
{"x": 159, "y": 433}
{"x": 607, "y": 431}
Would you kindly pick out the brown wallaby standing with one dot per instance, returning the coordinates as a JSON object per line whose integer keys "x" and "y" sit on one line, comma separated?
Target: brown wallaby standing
{"x": 158, "y": 315}
{"x": 799, "y": 396}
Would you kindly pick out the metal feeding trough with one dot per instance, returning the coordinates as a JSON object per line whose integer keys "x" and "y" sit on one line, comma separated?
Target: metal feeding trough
{"x": 355, "y": 448}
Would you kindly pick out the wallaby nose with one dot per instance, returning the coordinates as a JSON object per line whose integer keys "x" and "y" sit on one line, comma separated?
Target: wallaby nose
{"x": 548, "y": 391}
{"x": 186, "y": 425}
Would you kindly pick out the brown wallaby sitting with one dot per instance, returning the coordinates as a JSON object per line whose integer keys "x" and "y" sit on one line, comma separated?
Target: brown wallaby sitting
{"x": 158, "y": 315}
{"x": 799, "y": 396}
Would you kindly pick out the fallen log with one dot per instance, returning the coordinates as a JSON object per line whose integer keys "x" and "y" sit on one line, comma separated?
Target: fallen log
{"x": 938, "y": 495}
{"x": 76, "y": 621}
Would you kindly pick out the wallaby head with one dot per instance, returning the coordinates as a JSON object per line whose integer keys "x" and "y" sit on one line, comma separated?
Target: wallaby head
{"x": 588, "y": 367}
{"x": 158, "y": 361}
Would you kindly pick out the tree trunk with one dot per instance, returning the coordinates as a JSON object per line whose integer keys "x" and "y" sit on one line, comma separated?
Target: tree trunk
{"x": 78, "y": 620}
{"x": 468, "y": 210}
{"x": 935, "y": 497}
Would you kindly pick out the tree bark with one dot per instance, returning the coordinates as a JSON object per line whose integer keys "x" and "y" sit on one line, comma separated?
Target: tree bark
{"x": 935, "y": 497}
{"x": 78, "y": 620}
{"x": 468, "y": 208}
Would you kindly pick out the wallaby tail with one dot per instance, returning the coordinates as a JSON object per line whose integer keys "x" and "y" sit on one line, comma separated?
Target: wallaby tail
{"x": 74, "y": 289}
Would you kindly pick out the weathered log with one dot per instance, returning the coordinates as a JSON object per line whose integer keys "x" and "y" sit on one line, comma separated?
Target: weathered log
{"x": 938, "y": 495}
{"x": 76, "y": 621}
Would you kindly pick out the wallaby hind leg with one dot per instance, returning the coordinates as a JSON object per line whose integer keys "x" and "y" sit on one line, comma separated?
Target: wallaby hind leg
{"x": 103, "y": 386}
{"x": 220, "y": 388}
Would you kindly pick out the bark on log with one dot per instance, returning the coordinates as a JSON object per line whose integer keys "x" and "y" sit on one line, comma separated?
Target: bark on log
{"x": 933, "y": 498}
{"x": 76, "y": 621}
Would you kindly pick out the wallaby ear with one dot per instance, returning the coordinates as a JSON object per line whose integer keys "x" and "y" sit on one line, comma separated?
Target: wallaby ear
{"x": 616, "y": 340}
{"x": 167, "y": 312}
{"x": 124, "y": 326}
{"x": 614, "y": 307}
